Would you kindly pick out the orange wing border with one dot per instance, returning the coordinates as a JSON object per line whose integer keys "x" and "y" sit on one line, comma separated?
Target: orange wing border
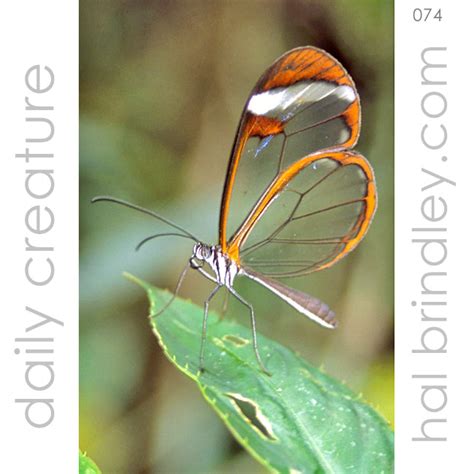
{"x": 344, "y": 158}
{"x": 299, "y": 64}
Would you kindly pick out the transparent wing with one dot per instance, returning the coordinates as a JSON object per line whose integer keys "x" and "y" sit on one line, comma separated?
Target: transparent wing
{"x": 313, "y": 214}
{"x": 304, "y": 103}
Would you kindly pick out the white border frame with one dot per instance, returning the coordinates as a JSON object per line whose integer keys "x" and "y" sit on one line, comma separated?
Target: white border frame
{"x": 445, "y": 376}
{"x": 39, "y": 33}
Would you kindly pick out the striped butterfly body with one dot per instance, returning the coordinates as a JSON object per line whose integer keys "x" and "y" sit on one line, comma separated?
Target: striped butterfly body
{"x": 297, "y": 198}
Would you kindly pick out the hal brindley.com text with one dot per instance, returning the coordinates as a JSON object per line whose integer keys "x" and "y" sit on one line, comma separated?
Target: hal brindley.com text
{"x": 35, "y": 345}
{"x": 430, "y": 248}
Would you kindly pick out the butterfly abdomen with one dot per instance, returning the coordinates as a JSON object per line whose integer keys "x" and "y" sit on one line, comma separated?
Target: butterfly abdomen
{"x": 311, "y": 307}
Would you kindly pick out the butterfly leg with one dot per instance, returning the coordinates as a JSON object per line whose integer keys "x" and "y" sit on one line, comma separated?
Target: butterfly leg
{"x": 254, "y": 329}
{"x": 204, "y": 326}
{"x": 224, "y": 306}
{"x": 178, "y": 286}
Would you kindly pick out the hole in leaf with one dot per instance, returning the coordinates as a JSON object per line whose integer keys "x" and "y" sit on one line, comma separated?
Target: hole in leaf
{"x": 236, "y": 340}
{"x": 251, "y": 412}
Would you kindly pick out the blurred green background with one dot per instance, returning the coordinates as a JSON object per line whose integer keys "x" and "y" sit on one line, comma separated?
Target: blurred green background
{"x": 162, "y": 85}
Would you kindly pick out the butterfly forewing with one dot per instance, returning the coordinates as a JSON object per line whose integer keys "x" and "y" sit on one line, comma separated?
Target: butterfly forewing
{"x": 258, "y": 167}
{"x": 304, "y": 103}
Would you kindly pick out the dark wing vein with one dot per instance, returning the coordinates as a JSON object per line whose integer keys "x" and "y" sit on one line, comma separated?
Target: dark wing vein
{"x": 291, "y": 217}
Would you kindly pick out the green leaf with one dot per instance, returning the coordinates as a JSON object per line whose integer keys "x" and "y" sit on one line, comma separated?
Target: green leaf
{"x": 297, "y": 420}
{"x": 87, "y": 465}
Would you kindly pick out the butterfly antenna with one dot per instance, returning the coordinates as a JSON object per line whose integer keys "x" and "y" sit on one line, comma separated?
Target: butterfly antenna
{"x": 175, "y": 293}
{"x": 165, "y": 234}
{"x": 145, "y": 211}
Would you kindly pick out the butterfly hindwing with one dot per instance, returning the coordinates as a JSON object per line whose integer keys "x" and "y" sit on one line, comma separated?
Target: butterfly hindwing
{"x": 315, "y": 213}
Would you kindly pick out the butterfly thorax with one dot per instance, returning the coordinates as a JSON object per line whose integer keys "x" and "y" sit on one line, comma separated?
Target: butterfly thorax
{"x": 224, "y": 268}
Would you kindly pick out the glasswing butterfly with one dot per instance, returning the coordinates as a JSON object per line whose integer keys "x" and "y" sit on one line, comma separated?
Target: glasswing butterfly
{"x": 296, "y": 197}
